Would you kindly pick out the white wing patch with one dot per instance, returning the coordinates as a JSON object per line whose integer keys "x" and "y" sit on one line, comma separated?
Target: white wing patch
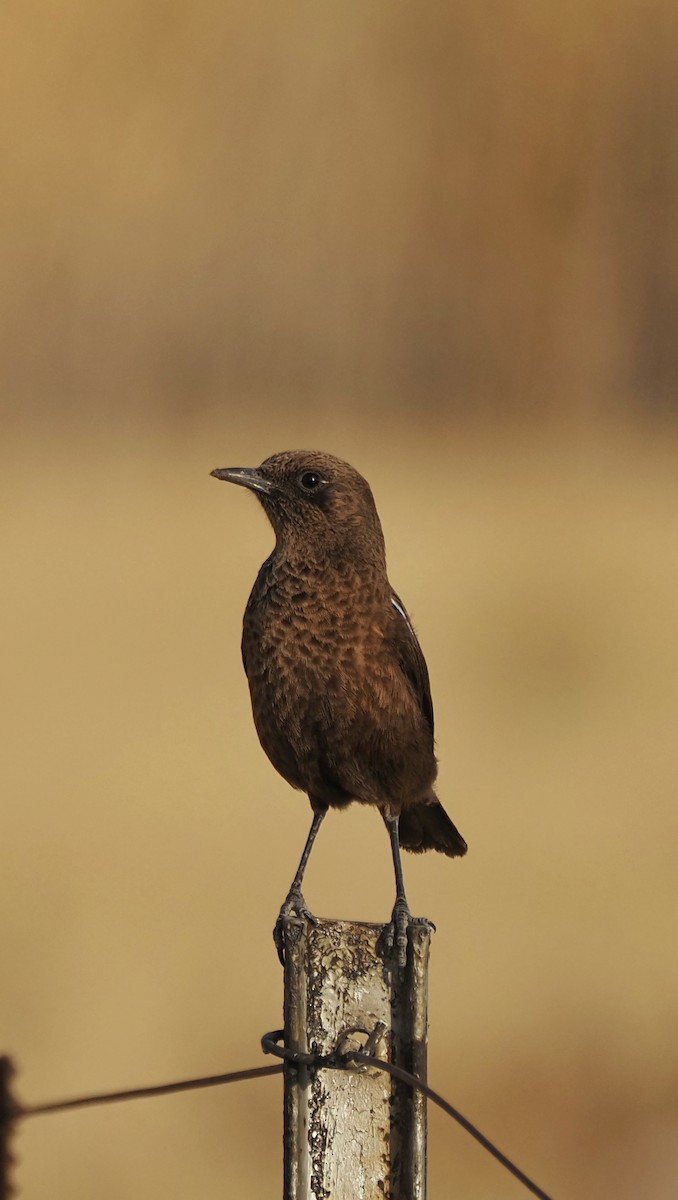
{"x": 399, "y": 608}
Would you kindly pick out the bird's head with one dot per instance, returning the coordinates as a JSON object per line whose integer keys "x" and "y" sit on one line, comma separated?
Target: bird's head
{"x": 314, "y": 500}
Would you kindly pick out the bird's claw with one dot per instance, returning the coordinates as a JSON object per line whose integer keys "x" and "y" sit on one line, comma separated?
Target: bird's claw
{"x": 293, "y": 906}
{"x": 394, "y": 937}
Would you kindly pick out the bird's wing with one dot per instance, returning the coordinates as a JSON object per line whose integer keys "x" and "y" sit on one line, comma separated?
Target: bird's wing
{"x": 411, "y": 659}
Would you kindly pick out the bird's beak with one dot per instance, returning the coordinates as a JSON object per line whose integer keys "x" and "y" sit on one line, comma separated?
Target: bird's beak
{"x": 248, "y": 477}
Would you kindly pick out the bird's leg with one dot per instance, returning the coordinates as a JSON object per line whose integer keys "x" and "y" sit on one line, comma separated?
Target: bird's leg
{"x": 395, "y": 933}
{"x": 294, "y": 902}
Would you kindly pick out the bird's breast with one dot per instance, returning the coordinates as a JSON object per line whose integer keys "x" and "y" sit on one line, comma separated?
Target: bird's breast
{"x": 331, "y": 704}
{"x": 303, "y": 642}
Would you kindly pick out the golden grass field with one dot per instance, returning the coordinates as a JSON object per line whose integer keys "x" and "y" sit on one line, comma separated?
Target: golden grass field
{"x": 148, "y": 843}
{"x": 440, "y": 241}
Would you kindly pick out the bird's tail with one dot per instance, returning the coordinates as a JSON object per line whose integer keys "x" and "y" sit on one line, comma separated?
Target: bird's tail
{"x": 427, "y": 826}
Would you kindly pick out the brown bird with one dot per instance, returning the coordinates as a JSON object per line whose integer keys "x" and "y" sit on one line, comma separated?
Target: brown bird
{"x": 339, "y": 685}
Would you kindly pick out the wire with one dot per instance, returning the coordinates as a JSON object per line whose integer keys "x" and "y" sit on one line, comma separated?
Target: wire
{"x": 414, "y": 1082}
{"x": 10, "y": 1109}
{"x": 161, "y": 1089}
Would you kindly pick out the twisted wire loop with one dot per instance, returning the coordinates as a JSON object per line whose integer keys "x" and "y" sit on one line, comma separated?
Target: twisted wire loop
{"x": 345, "y": 1059}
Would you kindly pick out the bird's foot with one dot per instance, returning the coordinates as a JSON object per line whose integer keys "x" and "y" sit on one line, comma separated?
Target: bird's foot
{"x": 294, "y": 905}
{"x": 393, "y": 939}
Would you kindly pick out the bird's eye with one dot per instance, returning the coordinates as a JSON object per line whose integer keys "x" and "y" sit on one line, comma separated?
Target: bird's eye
{"x": 310, "y": 481}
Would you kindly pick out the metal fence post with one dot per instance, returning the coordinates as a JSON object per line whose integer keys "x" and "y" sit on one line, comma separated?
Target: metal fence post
{"x": 9, "y": 1110}
{"x": 355, "y": 1134}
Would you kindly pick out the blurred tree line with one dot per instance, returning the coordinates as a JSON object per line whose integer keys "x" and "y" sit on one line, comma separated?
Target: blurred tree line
{"x": 433, "y": 208}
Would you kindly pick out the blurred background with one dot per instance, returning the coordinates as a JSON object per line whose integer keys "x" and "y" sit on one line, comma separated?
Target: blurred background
{"x": 441, "y": 242}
